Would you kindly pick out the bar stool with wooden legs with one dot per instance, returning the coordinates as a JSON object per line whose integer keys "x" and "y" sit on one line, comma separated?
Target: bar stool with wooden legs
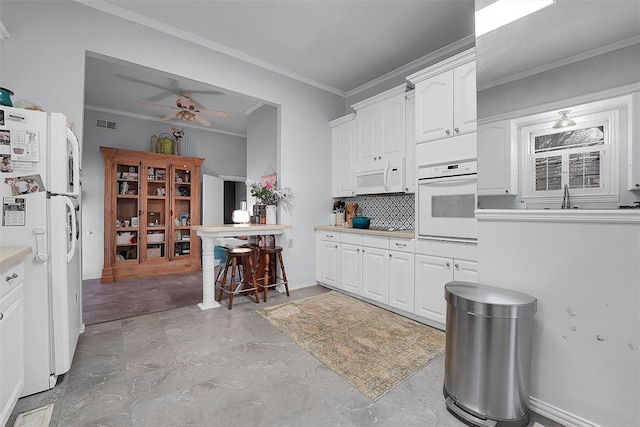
{"x": 236, "y": 257}
{"x": 268, "y": 259}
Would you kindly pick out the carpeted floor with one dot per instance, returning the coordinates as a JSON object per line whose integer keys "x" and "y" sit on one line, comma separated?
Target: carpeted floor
{"x": 372, "y": 348}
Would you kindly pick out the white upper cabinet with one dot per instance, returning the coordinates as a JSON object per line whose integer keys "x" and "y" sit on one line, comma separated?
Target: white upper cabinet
{"x": 410, "y": 145}
{"x": 446, "y": 98}
{"x": 343, "y": 148}
{"x": 380, "y": 128}
{"x": 465, "y": 110}
{"x": 497, "y": 159}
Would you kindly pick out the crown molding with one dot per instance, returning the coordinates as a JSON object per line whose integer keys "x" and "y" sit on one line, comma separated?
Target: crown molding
{"x": 561, "y": 63}
{"x": 442, "y": 66}
{"x": 398, "y": 90}
{"x": 432, "y": 57}
{"x": 155, "y": 119}
{"x": 342, "y": 120}
{"x": 128, "y": 15}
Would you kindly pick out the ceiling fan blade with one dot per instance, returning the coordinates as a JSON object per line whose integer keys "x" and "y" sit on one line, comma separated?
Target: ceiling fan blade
{"x": 158, "y": 105}
{"x": 201, "y": 120}
{"x": 213, "y": 113}
{"x": 170, "y": 116}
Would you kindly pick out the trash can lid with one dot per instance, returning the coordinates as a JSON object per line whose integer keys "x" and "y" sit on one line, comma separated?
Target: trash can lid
{"x": 489, "y": 300}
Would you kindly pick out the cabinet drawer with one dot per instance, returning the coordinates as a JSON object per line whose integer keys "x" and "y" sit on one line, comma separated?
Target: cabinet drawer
{"x": 330, "y": 236}
{"x": 351, "y": 238}
{"x": 375, "y": 242}
{"x": 401, "y": 245}
{"x": 11, "y": 277}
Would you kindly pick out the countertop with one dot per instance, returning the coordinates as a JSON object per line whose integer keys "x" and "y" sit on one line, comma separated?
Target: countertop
{"x": 12, "y": 254}
{"x": 400, "y": 234}
{"x": 231, "y": 230}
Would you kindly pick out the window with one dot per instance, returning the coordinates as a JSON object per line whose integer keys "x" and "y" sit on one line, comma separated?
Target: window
{"x": 572, "y": 158}
{"x": 584, "y": 157}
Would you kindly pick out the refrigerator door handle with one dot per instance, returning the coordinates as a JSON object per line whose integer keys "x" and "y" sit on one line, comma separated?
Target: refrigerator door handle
{"x": 75, "y": 154}
{"x": 72, "y": 210}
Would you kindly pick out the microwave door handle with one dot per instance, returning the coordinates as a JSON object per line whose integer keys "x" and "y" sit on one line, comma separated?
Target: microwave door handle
{"x": 384, "y": 177}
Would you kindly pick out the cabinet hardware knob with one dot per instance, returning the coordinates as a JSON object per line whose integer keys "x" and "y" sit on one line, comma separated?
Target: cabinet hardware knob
{"x": 448, "y": 132}
{"x": 389, "y": 255}
{"x": 638, "y": 185}
{"x": 447, "y": 264}
{"x": 456, "y": 266}
{"x": 1, "y": 316}
{"x": 10, "y": 278}
{"x": 457, "y": 130}
{"x": 358, "y": 250}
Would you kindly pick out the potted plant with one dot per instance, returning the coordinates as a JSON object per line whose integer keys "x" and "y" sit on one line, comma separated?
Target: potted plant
{"x": 269, "y": 195}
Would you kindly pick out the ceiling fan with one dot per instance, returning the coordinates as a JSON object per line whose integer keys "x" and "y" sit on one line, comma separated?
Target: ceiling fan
{"x": 187, "y": 110}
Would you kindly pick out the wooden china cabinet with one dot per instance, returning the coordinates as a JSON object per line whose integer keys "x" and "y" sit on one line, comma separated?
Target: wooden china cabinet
{"x": 151, "y": 203}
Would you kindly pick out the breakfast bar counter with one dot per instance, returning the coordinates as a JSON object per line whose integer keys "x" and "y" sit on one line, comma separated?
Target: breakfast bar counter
{"x": 209, "y": 234}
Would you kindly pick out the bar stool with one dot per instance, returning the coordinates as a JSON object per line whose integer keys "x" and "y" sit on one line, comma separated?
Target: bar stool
{"x": 236, "y": 257}
{"x": 268, "y": 260}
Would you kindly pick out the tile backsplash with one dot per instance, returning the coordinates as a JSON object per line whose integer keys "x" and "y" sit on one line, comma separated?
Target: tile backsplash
{"x": 386, "y": 210}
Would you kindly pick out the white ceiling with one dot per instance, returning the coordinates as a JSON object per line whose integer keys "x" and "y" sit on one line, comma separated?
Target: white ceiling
{"x": 344, "y": 46}
{"x": 563, "y": 33}
{"x": 336, "y": 45}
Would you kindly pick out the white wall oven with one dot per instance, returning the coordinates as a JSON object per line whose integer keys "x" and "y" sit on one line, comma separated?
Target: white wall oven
{"x": 447, "y": 199}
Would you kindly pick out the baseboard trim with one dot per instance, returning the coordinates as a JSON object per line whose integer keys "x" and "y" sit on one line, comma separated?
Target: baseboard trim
{"x": 559, "y": 415}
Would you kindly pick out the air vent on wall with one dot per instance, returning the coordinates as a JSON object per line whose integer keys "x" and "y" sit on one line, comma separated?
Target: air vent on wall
{"x": 106, "y": 124}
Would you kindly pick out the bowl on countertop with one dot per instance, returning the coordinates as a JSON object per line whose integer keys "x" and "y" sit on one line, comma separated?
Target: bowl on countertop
{"x": 360, "y": 222}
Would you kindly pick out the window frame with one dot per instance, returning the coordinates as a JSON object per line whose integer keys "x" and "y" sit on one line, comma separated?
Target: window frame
{"x": 602, "y": 113}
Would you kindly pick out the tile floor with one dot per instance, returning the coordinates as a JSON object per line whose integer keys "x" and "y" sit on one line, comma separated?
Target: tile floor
{"x": 220, "y": 367}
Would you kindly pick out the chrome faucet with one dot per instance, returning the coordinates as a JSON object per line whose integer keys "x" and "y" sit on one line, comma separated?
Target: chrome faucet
{"x": 566, "y": 203}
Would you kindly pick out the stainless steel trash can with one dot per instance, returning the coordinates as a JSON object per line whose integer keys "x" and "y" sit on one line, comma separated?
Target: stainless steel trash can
{"x": 488, "y": 354}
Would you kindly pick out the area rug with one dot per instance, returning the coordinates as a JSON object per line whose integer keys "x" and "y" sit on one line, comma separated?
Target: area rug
{"x": 370, "y": 347}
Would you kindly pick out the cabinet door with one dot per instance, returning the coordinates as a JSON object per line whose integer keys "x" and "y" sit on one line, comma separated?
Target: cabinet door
{"x": 127, "y": 210}
{"x": 410, "y": 145}
{"x": 343, "y": 146}
{"x": 391, "y": 131}
{"x": 432, "y": 273}
{"x": 367, "y": 135}
{"x": 401, "y": 280}
{"x": 464, "y": 98}
{"x": 375, "y": 274}
{"x": 182, "y": 210}
{"x": 465, "y": 271}
{"x": 156, "y": 218}
{"x": 330, "y": 264}
{"x": 634, "y": 149}
{"x": 12, "y": 351}
{"x": 497, "y": 159}
{"x": 434, "y": 107}
{"x": 351, "y": 268}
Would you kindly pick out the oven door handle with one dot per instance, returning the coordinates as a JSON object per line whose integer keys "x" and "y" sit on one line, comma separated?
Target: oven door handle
{"x": 448, "y": 181}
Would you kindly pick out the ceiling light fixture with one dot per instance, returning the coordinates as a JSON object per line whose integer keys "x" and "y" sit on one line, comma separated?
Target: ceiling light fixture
{"x": 503, "y": 12}
{"x": 564, "y": 121}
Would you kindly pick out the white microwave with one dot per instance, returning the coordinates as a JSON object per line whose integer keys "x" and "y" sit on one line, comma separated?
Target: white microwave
{"x": 383, "y": 178}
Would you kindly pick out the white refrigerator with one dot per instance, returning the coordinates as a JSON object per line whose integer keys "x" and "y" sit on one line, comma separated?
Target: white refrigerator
{"x": 40, "y": 190}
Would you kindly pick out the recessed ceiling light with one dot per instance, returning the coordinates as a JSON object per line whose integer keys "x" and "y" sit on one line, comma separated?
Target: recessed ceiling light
{"x": 503, "y": 12}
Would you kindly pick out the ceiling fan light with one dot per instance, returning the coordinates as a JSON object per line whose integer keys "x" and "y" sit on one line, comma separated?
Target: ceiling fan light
{"x": 564, "y": 121}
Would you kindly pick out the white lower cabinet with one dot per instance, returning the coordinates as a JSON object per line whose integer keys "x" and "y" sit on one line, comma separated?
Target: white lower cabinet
{"x": 401, "y": 280}
{"x": 375, "y": 274}
{"x": 351, "y": 271}
{"x": 432, "y": 273}
{"x": 329, "y": 259}
{"x": 11, "y": 339}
